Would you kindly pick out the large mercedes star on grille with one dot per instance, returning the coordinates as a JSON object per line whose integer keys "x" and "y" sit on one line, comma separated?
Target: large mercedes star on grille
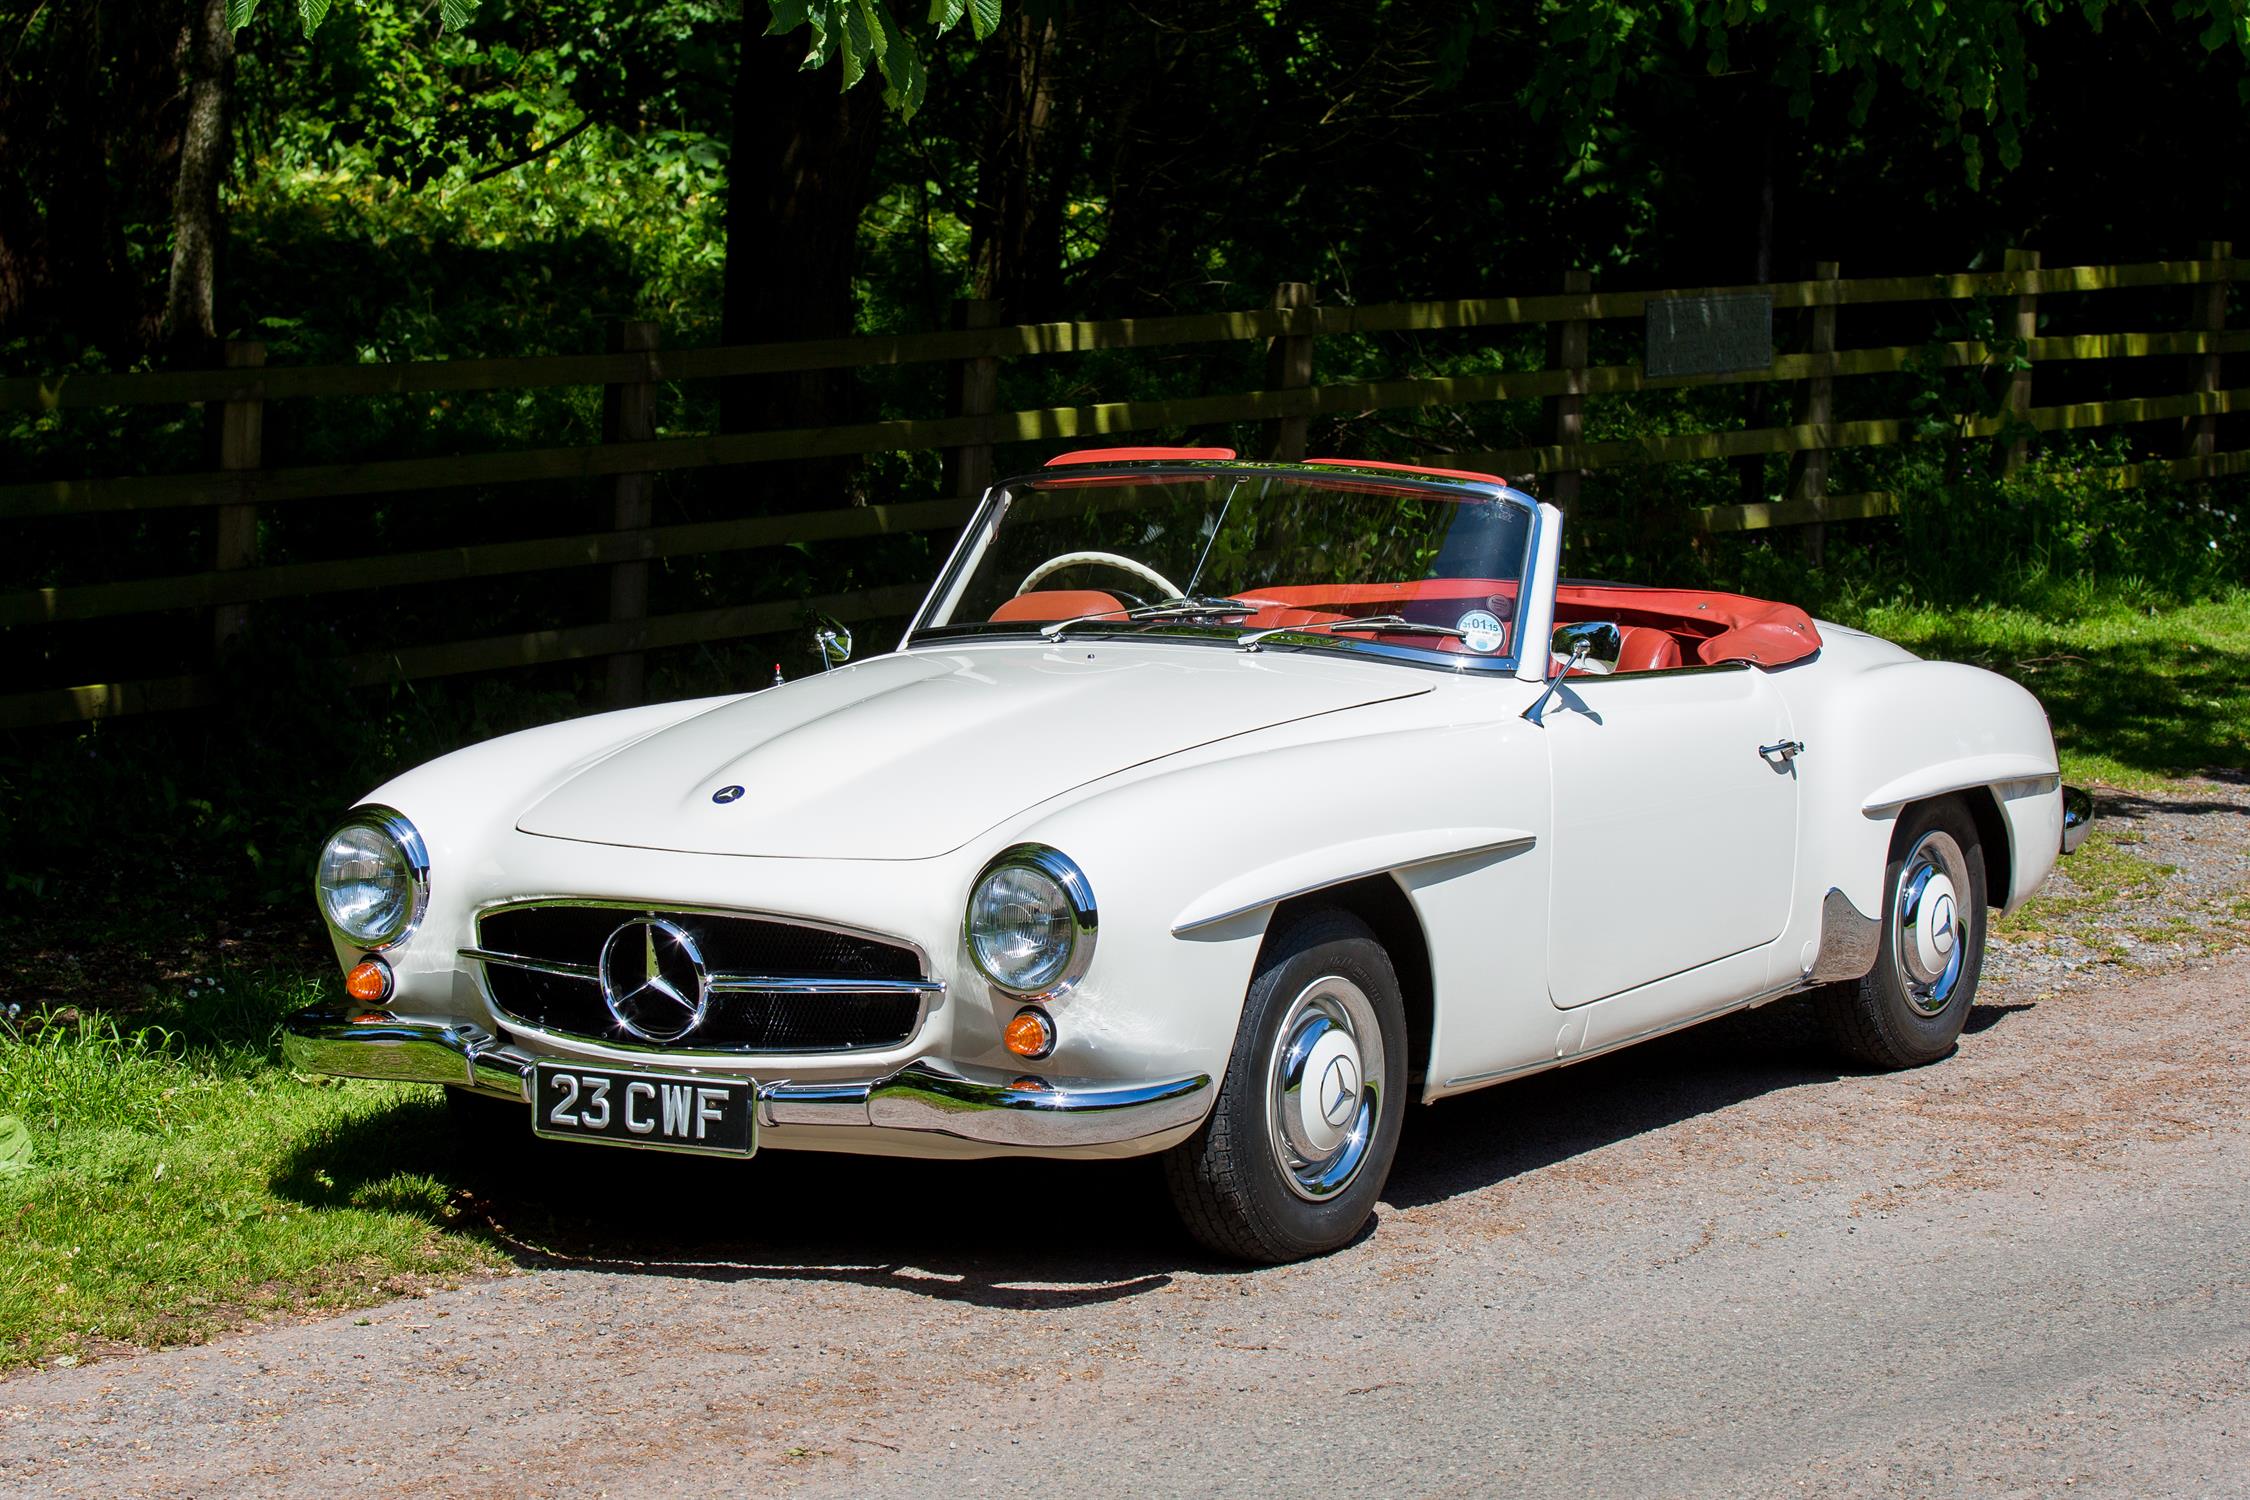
{"x": 1207, "y": 809}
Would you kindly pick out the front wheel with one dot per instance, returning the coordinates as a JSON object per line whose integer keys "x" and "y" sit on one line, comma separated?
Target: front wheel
{"x": 1910, "y": 1008}
{"x": 1300, "y": 1142}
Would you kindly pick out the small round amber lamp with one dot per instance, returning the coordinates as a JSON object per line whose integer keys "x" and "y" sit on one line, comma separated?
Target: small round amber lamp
{"x": 1030, "y": 1034}
{"x": 369, "y": 982}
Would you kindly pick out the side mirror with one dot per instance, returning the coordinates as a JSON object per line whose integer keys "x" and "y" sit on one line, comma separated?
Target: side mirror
{"x": 1590, "y": 646}
{"x": 833, "y": 640}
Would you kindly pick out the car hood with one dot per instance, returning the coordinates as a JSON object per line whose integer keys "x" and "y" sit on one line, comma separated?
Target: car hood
{"x": 911, "y": 755}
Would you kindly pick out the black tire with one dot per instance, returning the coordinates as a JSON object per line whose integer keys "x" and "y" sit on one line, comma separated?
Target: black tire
{"x": 1895, "y": 1017}
{"x": 1228, "y": 1180}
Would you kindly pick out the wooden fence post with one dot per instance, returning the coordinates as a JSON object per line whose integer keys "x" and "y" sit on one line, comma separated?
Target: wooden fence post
{"x": 1816, "y": 407}
{"x": 2208, "y": 314}
{"x": 976, "y": 393}
{"x": 1289, "y": 368}
{"x": 1565, "y": 415}
{"x": 242, "y": 440}
{"x": 2023, "y": 326}
{"x": 629, "y": 416}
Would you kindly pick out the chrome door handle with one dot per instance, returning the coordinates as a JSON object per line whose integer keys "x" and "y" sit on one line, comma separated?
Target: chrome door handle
{"x": 1781, "y": 752}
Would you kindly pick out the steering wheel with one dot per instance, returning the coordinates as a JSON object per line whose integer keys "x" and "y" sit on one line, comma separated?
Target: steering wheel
{"x": 1054, "y": 565}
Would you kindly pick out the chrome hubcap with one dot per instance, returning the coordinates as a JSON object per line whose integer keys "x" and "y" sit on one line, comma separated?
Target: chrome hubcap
{"x": 1929, "y": 941}
{"x": 1324, "y": 1087}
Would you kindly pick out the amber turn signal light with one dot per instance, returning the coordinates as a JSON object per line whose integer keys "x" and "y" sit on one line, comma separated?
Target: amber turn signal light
{"x": 1030, "y": 1034}
{"x": 369, "y": 982}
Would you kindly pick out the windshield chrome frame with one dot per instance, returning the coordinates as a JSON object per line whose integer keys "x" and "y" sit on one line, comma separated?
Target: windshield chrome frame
{"x": 993, "y": 508}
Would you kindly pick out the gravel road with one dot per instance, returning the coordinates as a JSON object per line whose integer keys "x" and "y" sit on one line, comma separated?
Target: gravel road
{"x": 1708, "y": 1265}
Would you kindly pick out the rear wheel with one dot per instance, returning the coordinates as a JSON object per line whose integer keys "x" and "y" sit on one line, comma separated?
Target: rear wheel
{"x": 1910, "y": 1008}
{"x": 1300, "y": 1142}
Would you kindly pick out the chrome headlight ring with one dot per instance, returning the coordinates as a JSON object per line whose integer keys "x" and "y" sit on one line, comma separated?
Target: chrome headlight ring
{"x": 1057, "y": 972}
{"x": 412, "y": 858}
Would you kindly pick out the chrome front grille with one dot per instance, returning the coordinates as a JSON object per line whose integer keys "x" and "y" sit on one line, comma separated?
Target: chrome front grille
{"x": 774, "y": 986}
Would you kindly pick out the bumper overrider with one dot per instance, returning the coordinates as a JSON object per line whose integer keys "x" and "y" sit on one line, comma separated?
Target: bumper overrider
{"x": 996, "y": 1109}
{"x": 2078, "y": 818}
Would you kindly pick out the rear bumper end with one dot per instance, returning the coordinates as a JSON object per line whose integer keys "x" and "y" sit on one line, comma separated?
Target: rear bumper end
{"x": 2077, "y": 819}
{"x": 994, "y": 1109}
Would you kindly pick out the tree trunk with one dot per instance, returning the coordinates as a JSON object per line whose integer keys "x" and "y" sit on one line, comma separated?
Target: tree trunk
{"x": 804, "y": 152}
{"x": 1024, "y": 168}
{"x": 207, "y": 67}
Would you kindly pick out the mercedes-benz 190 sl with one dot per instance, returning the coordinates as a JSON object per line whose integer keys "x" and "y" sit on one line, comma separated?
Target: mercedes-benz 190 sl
{"x": 1207, "y": 809}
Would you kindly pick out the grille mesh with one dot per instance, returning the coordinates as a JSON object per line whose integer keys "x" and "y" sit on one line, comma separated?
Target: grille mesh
{"x": 744, "y": 1021}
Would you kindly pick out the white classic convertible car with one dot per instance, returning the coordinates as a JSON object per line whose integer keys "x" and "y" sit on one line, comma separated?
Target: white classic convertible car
{"x": 1209, "y": 809}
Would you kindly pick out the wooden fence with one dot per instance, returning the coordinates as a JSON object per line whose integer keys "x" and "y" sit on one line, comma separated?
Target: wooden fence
{"x": 1291, "y": 328}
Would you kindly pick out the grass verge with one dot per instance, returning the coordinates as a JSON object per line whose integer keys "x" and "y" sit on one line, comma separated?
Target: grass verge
{"x": 182, "y": 1181}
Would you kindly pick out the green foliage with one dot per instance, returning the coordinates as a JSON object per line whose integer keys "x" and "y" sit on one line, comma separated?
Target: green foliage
{"x": 860, "y": 32}
{"x": 1968, "y": 60}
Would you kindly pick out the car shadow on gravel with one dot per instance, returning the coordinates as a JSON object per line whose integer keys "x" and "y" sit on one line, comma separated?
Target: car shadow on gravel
{"x": 1462, "y": 1145}
{"x": 1008, "y": 1233}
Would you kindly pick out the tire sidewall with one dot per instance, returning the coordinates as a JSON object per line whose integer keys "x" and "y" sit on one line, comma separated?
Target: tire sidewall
{"x": 1912, "y": 1035}
{"x": 1314, "y": 951}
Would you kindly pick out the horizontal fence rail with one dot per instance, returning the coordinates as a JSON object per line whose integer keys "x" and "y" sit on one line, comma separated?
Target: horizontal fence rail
{"x": 628, "y": 455}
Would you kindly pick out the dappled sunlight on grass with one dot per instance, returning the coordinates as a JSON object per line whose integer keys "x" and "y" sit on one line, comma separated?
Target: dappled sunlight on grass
{"x": 156, "y": 1207}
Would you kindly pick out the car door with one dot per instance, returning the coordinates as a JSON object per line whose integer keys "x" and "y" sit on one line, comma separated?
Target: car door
{"x": 1675, "y": 827}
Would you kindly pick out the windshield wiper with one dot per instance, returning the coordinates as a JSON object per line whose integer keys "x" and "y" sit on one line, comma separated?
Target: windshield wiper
{"x": 1391, "y": 624}
{"x": 1186, "y": 606}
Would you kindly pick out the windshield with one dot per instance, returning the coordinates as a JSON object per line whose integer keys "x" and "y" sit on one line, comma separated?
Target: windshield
{"x": 1265, "y": 558}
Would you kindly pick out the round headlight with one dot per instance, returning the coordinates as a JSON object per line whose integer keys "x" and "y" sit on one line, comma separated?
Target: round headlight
{"x": 374, "y": 878}
{"x": 1031, "y": 921}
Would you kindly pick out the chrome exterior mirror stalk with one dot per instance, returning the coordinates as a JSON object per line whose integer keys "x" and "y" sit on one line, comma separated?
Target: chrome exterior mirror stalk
{"x": 1592, "y": 647}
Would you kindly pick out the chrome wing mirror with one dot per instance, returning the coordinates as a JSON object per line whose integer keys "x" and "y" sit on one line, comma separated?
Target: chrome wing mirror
{"x": 1592, "y": 647}
{"x": 833, "y": 640}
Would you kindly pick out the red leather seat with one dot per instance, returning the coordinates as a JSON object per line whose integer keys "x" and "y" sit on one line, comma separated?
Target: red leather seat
{"x": 1647, "y": 649}
{"x": 1049, "y": 605}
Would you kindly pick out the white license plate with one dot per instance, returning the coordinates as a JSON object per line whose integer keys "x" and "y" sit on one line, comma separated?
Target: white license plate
{"x": 656, "y": 1111}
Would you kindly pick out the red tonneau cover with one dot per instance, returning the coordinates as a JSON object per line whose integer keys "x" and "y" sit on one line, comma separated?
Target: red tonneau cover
{"x": 1721, "y": 627}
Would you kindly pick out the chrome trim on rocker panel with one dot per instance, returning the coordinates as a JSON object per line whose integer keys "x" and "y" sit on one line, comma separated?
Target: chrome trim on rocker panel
{"x": 922, "y": 1096}
{"x": 720, "y": 982}
{"x": 1849, "y": 941}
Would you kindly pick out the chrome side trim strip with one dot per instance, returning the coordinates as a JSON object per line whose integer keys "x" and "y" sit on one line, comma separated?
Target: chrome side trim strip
{"x": 1849, "y": 940}
{"x": 1502, "y": 846}
{"x": 1033, "y": 1113}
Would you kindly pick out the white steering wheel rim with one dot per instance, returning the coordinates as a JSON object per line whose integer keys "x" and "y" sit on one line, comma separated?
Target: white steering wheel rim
{"x": 1141, "y": 570}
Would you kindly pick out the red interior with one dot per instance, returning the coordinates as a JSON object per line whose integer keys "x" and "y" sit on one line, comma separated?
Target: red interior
{"x": 1705, "y": 627}
{"x": 1661, "y": 628}
{"x": 1049, "y": 605}
{"x": 1132, "y": 455}
{"x": 1369, "y": 463}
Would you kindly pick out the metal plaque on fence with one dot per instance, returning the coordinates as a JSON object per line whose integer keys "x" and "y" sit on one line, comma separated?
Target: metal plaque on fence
{"x": 1709, "y": 335}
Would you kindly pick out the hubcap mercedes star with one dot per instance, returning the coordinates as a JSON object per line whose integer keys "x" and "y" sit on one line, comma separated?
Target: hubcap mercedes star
{"x": 654, "y": 981}
{"x": 1928, "y": 936}
{"x": 1323, "y": 1087}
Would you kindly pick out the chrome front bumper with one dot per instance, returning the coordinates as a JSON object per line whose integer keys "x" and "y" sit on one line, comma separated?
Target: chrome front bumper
{"x": 2078, "y": 817}
{"x": 996, "y": 1110}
